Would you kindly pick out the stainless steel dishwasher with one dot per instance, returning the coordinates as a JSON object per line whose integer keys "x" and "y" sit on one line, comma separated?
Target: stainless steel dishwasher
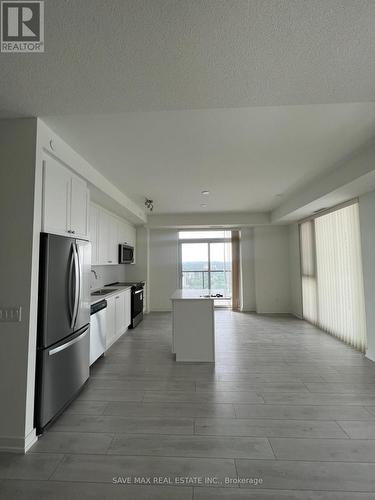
{"x": 97, "y": 330}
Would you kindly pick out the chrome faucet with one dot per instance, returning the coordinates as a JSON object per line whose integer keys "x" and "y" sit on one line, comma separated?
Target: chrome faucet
{"x": 95, "y": 273}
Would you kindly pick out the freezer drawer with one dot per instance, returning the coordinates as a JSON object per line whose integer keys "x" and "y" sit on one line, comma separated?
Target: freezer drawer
{"x": 62, "y": 371}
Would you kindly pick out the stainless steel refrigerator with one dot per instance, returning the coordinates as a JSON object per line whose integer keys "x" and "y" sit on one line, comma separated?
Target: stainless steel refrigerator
{"x": 63, "y": 339}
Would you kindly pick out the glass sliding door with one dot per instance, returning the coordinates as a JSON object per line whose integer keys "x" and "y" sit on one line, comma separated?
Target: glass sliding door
{"x": 206, "y": 263}
{"x": 221, "y": 268}
{"x": 195, "y": 265}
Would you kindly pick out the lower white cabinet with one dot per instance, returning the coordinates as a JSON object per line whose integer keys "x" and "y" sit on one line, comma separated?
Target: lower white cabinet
{"x": 110, "y": 322}
{"x": 120, "y": 314}
{"x": 118, "y": 317}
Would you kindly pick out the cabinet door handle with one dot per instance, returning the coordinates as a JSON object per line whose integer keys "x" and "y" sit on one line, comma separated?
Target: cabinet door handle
{"x": 109, "y": 262}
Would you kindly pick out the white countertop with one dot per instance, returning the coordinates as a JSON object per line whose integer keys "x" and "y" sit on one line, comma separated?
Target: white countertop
{"x": 191, "y": 294}
{"x": 113, "y": 290}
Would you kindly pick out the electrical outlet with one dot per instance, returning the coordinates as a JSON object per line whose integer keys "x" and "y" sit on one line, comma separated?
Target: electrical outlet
{"x": 10, "y": 314}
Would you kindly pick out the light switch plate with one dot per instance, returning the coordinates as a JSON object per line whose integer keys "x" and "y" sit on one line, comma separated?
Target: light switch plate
{"x": 10, "y": 314}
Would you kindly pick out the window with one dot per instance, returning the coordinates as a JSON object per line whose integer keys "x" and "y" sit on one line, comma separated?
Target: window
{"x": 206, "y": 262}
{"x": 332, "y": 279}
{"x": 194, "y": 260}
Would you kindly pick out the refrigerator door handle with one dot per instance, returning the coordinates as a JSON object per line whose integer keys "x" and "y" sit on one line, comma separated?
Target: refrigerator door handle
{"x": 68, "y": 344}
{"x": 76, "y": 285}
{"x": 79, "y": 268}
{"x": 70, "y": 288}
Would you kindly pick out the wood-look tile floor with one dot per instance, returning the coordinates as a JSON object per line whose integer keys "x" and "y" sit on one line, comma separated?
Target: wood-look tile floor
{"x": 286, "y": 407}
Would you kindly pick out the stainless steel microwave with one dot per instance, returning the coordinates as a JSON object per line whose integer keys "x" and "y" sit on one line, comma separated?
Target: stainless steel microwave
{"x": 126, "y": 254}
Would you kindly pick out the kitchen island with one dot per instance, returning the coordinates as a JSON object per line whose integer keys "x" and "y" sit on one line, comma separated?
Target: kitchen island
{"x": 193, "y": 319}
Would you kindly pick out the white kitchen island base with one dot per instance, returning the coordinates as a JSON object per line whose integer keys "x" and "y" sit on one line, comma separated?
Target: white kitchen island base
{"x": 193, "y": 326}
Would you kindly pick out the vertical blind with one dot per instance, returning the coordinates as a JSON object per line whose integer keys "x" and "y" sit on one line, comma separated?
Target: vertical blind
{"x": 308, "y": 268}
{"x": 332, "y": 279}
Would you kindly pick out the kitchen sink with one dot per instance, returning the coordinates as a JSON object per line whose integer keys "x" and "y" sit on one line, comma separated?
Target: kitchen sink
{"x": 103, "y": 291}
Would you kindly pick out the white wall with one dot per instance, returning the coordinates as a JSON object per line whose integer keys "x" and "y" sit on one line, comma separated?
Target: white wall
{"x": 17, "y": 159}
{"x": 163, "y": 268}
{"x": 295, "y": 272}
{"x": 265, "y": 280}
{"x": 272, "y": 282}
{"x": 247, "y": 257}
{"x": 108, "y": 274}
{"x": 367, "y": 222}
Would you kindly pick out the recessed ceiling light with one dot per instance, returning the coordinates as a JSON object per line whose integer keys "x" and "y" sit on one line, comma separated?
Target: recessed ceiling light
{"x": 203, "y": 205}
{"x": 205, "y": 192}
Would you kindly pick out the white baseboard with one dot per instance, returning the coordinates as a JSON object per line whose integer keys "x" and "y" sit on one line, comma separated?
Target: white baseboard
{"x": 16, "y": 444}
{"x": 370, "y": 356}
{"x": 273, "y": 313}
{"x": 30, "y": 440}
{"x": 270, "y": 313}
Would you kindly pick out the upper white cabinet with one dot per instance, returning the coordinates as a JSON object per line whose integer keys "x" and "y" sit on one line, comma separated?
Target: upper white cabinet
{"x": 108, "y": 240}
{"x": 127, "y": 233}
{"x": 79, "y": 207}
{"x": 93, "y": 234}
{"x": 65, "y": 201}
{"x": 56, "y": 197}
{"x": 107, "y": 231}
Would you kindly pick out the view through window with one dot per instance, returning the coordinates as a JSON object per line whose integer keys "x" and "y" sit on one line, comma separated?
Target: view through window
{"x": 206, "y": 263}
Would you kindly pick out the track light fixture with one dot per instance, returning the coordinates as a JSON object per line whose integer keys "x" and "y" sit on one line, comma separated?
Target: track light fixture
{"x": 149, "y": 204}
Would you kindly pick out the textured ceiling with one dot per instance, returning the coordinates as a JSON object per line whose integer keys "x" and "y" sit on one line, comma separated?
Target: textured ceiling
{"x": 245, "y": 157}
{"x": 131, "y": 55}
{"x": 168, "y": 97}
